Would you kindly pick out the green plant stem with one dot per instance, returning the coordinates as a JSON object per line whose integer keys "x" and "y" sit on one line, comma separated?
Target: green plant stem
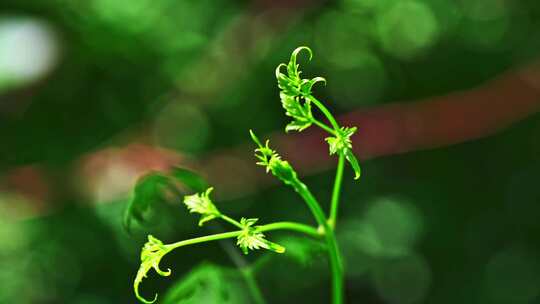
{"x": 202, "y": 239}
{"x": 302, "y": 228}
{"x": 325, "y": 111}
{"x": 231, "y": 221}
{"x": 336, "y": 191}
{"x": 324, "y": 126}
{"x": 298, "y": 227}
{"x": 333, "y": 251}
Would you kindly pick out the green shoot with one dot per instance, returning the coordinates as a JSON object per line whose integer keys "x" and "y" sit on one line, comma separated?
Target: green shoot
{"x": 297, "y": 101}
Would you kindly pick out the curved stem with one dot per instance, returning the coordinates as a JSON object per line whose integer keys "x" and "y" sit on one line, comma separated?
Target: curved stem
{"x": 333, "y": 251}
{"x": 336, "y": 191}
{"x": 231, "y": 221}
{"x": 324, "y": 126}
{"x": 298, "y": 227}
{"x": 325, "y": 111}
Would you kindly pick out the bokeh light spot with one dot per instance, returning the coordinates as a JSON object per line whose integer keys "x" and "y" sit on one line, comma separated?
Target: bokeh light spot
{"x": 183, "y": 127}
{"x": 396, "y": 226}
{"x": 389, "y": 229}
{"x": 512, "y": 276}
{"x": 407, "y": 29}
{"x": 28, "y": 50}
{"x": 403, "y": 280}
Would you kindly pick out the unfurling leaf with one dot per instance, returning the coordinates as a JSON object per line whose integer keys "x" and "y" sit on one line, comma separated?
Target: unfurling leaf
{"x": 202, "y": 204}
{"x": 271, "y": 160}
{"x": 251, "y": 239}
{"x": 294, "y": 92}
{"x": 151, "y": 254}
{"x": 301, "y": 113}
{"x": 342, "y": 144}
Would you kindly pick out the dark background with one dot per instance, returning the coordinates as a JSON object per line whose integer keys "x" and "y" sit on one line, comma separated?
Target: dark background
{"x": 95, "y": 93}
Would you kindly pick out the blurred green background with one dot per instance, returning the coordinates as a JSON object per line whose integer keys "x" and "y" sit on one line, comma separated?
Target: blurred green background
{"x": 95, "y": 93}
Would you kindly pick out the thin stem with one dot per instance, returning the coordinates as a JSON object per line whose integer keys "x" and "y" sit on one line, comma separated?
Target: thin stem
{"x": 333, "y": 251}
{"x": 245, "y": 269}
{"x": 324, "y": 126}
{"x": 231, "y": 221}
{"x": 298, "y": 227}
{"x": 336, "y": 191}
{"x": 202, "y": 239}
{"x": 227, "y": 235}
{"x": 325, "y": 111}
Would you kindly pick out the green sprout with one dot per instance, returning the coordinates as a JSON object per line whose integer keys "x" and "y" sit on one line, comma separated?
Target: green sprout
{"x": 297, "y": 101}
{"x": 201, "y": 203}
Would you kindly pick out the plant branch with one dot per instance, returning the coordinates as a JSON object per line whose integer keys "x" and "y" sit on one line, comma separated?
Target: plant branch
{"x": 325, "y": 111}
{"x": 202, "y": 239}
{"x": 336, "y": 191}
{"x": 292, "y": 226}
{"x": 231, "y": 221}
{"x": 324, "y": 126}
{"x": 333, "y": 251}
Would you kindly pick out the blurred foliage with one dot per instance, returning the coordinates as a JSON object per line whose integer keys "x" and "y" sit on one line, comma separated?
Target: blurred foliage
{"x": 209, "y": 283}
{"x": 450, "y": 225}
{"x": 151, "y": 191}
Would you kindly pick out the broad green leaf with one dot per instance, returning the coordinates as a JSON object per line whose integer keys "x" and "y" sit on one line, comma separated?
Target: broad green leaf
{"x": 190, "y": 179}
{"x": 209, "y": 284}
{"x": 149, "y": 191}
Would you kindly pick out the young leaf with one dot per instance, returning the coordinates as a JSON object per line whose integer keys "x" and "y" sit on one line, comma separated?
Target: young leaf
{"x": 151, "y": 254}
{"x": 342, "y": 144}
{"x": 271, "y": 160}
{"x": 251, "y": 239}
{"x": 149, "y": 190}
{"x": 301, "y": 113}
{"x": 202, "y": 204}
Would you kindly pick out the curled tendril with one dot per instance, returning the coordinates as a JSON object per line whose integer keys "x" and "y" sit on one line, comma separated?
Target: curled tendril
{"x": 151, "y": 254}
{"x": 292, "y": 67}
{"x": 295, "y": 92}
